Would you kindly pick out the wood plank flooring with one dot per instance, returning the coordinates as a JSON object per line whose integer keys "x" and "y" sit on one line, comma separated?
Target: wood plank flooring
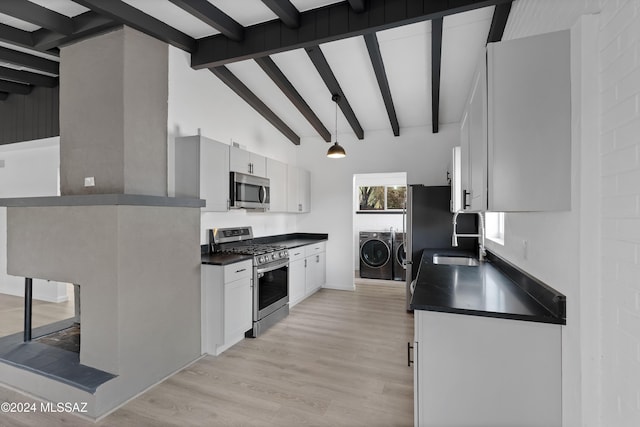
{"x": 339, "y": 359}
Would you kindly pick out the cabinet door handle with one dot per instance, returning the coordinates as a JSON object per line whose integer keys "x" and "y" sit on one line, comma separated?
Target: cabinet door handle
{"x": 241, "y": 270}
{"x": 465, "y": 194}
{"x": 296, "y": 254}
{"x": 409, "y": 348}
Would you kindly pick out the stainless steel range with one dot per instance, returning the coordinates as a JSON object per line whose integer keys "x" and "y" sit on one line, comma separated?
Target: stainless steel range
{"x": 270, "y": 273}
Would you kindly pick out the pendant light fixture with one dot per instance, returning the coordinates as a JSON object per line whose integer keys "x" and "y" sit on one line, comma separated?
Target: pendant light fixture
{"x": 336, "y": 151}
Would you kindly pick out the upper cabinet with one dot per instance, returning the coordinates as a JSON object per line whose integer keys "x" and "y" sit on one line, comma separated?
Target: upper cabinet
{"x": 202, "y": 171}
{"x": 529, "y": 130}
{"x": 247, "y": 162}
{"x": 277, "y": 174}
{"x": 516, "y": 128}
{"x": 473, "y": 134}
{"x": 298, "y": 190}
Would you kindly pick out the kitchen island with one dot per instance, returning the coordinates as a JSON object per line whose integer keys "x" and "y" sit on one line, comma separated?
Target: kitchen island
{"x": 487, "y": 347}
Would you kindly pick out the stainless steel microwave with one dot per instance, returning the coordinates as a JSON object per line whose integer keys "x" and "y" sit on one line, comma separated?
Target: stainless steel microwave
{"x": 249, "y": 191}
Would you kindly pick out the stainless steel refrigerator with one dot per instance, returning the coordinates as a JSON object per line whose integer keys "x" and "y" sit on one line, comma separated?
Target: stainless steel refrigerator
{"x": 429, "y": 225}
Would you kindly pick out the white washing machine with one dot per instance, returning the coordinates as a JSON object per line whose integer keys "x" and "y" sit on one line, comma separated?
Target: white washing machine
{"x": 376, "y": 255}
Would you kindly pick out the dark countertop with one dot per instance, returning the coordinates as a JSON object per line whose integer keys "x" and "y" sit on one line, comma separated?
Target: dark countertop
{"x": 292, "y": 240}
{"x": 223, "y": 259}
{"x": 492, "y": 289}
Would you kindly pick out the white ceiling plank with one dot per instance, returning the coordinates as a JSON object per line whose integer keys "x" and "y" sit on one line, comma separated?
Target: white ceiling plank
{"x": 406, "y": 53}
{"x": 64, "y": 7}
{"x": 350, "y": 63}
{"x": 250, "y": 73}
{"x": 174, "y": 16}
{"x": 463, "y": 40}
{"x": 17, "y": 23}
{"x": 298, "y": 68}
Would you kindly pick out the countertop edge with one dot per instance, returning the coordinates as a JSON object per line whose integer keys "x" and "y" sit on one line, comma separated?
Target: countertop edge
{"x": 102, "y": 200}
{"x": 493, "y": 314}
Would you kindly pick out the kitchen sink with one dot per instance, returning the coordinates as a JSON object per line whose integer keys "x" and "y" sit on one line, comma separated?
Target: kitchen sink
{"x": 455, "y": 260}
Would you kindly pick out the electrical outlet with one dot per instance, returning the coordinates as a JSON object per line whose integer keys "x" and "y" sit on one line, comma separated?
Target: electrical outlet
{"x": 1, "y": 163}
{"x": 89, "y": 181}
{"x": 525, "y": 249}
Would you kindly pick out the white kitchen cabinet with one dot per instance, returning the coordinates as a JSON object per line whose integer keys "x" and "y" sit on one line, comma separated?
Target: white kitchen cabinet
{"x": 297, "y": 273}
{"x": 307, "y": 271}
{"x": 515, "y": 133}
{"x": 247, "y": 162}
{"x": 530, "y": 123}
{"x": 473, "y": 143}
{"x": 316, "y": 267}
{"x": 298, "y": 189}
{"x": 227, "y": 302}
{"x": 202, "y": 171}
{"x": 477, "y": 183}
{"x": 277, "y": 174}
{"x": 472, "y": 370}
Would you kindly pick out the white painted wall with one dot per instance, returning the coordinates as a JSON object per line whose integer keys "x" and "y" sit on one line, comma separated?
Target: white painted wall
{"x": 374, "y": 221}
{"x": 422, "y": 155}
{"x": 198, "y": 101}
{"x": 30, "y": 170}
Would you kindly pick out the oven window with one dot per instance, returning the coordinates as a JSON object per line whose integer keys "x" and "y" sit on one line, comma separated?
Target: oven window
{"x": 273, "y": 287}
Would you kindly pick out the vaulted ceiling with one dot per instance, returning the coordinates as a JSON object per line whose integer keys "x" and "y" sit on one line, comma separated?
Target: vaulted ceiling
{"x": 393, "y": 64}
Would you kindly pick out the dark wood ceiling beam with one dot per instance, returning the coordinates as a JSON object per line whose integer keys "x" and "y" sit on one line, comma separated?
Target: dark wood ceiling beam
{"x": 373, "y": 47}
{"x": 285, "y": 10}
{"x": 123, "y": 13}
{"x": 86, "y": 24}
{"x": 357, "y": 5}
{"x": 333, "y": 22}
{"x": 250, "y": 98}
{"x": 13, "y": 87}
{"x": 15, "y": 36}
{"x": 272, "y": 70}
{"x": 321, "y": 64}
{"x": 436, "y": 60}
{"x": 499, "y": 22}
{"x": 3, "y": 96}
{"x": 211, "y": 15}
{"x": 28, "y": 77}
{"x": 30, "y": 61}
{"x": 37, "y": 15}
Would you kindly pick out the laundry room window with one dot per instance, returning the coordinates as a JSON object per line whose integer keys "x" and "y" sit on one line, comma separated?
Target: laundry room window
{"x": 381, "y": 198}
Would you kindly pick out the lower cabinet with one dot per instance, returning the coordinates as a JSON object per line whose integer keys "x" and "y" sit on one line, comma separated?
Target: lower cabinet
{"x": 472, "y": 370}
{"x": 307, "y": 271}
{"x": 227, "y": 302}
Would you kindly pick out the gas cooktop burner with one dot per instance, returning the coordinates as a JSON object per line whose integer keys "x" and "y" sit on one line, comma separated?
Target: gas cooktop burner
{"x": 255, "y": 249}
{"x": 240, "y": 241}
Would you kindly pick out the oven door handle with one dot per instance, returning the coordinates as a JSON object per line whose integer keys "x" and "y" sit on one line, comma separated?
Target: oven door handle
{"x": 272, "y": 266}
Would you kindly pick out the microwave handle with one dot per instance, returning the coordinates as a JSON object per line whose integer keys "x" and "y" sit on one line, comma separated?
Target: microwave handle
{"x": 262, "y": 194}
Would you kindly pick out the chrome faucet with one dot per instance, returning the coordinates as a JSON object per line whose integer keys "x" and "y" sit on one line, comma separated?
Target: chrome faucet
{"x": 480, "y": 235}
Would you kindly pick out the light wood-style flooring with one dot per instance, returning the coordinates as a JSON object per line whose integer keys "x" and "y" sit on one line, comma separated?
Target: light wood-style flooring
{"x": 339, "y": 359}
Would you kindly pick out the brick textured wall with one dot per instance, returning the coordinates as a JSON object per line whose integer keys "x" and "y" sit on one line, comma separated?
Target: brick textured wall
{"x": 619, "y": 50}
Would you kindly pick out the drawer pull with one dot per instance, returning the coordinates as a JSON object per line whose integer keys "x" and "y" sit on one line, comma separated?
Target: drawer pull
{"x": 241, "y": 270}
{"x": 409, "y": 348}
{"x": 296, "y": 254}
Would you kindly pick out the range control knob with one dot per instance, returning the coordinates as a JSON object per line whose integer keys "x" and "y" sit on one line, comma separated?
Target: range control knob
{"x": 260, "y": 260}
{"x": 283, "y": 254}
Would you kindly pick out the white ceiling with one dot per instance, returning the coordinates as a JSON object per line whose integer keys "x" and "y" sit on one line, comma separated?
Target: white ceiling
{"x": 405, "y": 52}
